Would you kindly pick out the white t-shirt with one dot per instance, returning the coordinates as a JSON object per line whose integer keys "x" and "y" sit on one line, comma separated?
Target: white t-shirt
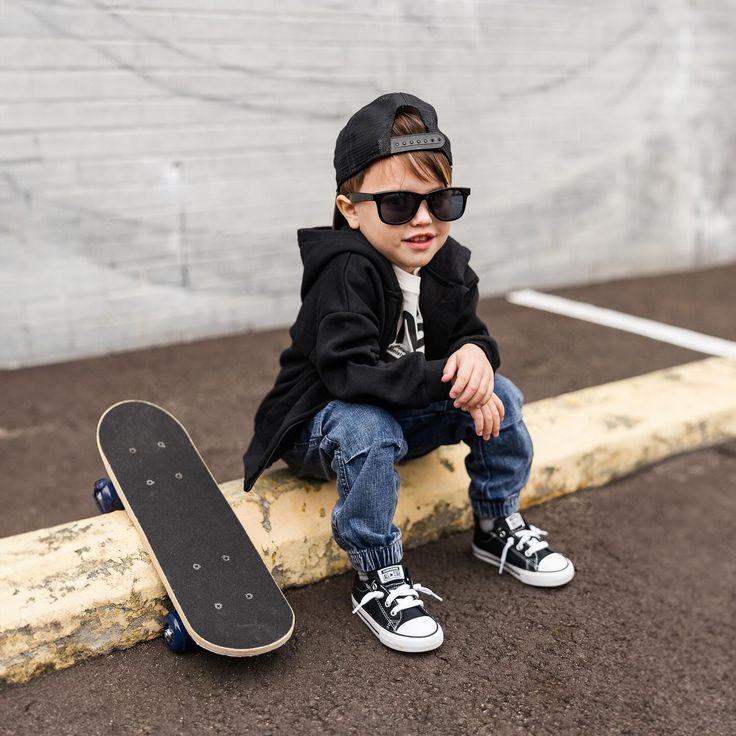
{"x": 410, "y": 329}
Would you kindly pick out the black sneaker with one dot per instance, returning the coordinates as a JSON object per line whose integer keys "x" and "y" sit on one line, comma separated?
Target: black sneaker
{"x": 517, "y": 547}
{"x": 388, "y": 603}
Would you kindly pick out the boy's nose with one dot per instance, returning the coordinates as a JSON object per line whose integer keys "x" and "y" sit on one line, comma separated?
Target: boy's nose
{"x": 423, "y": 214}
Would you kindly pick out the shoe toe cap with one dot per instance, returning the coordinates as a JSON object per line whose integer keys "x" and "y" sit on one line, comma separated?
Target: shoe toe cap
{"x": 420, "y": 626}
{"x": 553, "y": 563}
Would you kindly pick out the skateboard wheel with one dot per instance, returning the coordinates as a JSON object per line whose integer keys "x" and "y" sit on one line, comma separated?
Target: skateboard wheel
{"x": 106, "y": 496}
{"x": 176, "y": 636}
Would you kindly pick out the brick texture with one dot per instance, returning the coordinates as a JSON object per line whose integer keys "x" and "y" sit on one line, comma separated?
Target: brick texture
{"x": 156, "y": 158}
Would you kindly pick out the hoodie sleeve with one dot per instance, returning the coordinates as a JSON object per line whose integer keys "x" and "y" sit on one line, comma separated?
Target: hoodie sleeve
{"x": 346, "y": 354}
{"x": 470, "y": 328}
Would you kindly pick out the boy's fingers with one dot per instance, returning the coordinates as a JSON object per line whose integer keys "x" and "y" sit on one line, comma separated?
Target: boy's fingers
{"x": 477, "y": 398}
{"x": 483, "y": 393}
{"x": 492, "y": 385}
{"x": 468, "y": 388}
{"x": 487, "y": 390}
{"x": 499, "y": 405}
{"x": 450, "y": 368}
{"x": 477, "y": 416}
{"x": 480, "y": 423}
{"x": 457, "y": 388}
{"x": 496, "y": 419}
{"x": 479, "y": 380}
{"x": 488, "y": 421}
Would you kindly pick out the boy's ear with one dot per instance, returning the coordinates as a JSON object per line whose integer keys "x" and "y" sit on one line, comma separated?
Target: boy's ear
{"x": 347, "y": 209}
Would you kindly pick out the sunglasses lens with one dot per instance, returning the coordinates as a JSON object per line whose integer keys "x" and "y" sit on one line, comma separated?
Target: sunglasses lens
{"x": 397, "y": 207}
{"x": 448, "y": 204}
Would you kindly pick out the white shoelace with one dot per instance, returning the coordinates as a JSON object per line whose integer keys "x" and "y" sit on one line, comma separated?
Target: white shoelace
{"x": 404, "y": 595}
{"x": 529, "y": 538}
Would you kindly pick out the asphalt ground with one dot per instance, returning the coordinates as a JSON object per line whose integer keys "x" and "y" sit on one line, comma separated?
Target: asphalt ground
{"x": 640, "y": 642}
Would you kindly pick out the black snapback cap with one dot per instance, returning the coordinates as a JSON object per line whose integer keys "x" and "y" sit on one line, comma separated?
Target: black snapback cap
{"x": 367, "y": 137}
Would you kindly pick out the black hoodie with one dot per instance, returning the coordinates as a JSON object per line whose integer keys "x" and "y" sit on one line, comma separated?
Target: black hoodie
{"x": 351, "y": 303}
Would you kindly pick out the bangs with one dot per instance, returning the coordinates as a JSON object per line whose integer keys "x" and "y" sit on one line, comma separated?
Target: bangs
{"x": 429, "y": 166}
{"x": 425, "y": 165}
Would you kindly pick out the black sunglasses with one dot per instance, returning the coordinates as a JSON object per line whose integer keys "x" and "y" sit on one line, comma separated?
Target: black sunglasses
{"x": 398, "y": 208}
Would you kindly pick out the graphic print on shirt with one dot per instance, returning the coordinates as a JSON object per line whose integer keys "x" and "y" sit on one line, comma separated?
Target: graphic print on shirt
{"x": 409, "y": 338}
{"x": 410, "y": 329}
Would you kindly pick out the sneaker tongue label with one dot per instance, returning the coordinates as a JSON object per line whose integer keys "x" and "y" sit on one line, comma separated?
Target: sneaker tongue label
{"x": 515, "y": 521}
{"x": 387, "y": 574}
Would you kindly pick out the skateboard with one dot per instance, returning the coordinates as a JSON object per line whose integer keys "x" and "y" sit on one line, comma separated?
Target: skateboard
{"x": 224, "y": 597}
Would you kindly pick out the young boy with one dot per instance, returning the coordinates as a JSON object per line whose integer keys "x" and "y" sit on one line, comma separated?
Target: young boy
{"x": 389, "y": 360}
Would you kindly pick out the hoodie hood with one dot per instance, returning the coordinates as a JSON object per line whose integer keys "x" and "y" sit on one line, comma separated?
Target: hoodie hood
{"x": 320, "y": 245}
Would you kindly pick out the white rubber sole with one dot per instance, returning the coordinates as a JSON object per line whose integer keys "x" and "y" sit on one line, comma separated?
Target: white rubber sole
{"x": 540, "y": 579}
{"x": 410, "y": 644}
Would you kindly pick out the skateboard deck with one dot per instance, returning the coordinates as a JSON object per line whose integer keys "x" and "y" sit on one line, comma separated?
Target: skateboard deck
{"x": 216, "y": 580}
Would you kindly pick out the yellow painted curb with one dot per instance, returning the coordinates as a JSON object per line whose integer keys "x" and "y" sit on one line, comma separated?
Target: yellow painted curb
{"x": 81, "y": 589}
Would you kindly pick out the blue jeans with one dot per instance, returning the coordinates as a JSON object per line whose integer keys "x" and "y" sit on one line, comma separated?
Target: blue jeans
{"x": 359, "y": 445}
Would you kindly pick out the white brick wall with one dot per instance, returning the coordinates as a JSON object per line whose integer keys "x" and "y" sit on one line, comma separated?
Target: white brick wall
{"x": 157, "y": 156}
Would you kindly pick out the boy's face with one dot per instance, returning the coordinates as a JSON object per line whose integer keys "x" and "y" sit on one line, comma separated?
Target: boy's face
{"x": 395, "y": 241}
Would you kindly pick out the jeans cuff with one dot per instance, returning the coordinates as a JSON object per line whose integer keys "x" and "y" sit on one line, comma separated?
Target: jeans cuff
{"x": 366, "y": 560}
{"x": 491, "y": 509}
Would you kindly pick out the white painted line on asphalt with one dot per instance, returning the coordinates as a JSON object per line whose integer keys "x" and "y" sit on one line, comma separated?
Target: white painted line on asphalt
{"x": 620, "y": 321}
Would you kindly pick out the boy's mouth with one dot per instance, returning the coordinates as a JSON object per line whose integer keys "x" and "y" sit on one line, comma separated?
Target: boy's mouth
{"x": 420, "y": 242}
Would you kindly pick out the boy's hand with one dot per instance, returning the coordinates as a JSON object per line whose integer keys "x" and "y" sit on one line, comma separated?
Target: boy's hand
{"x": 471, "y": 375}
{"x": 488, "y": 417}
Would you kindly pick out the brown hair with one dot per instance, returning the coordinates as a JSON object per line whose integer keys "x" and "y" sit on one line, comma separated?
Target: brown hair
{"x": 426, "y": 165}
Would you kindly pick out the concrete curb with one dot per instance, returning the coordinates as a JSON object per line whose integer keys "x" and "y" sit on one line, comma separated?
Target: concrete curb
{"x": 81, "y": 589}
